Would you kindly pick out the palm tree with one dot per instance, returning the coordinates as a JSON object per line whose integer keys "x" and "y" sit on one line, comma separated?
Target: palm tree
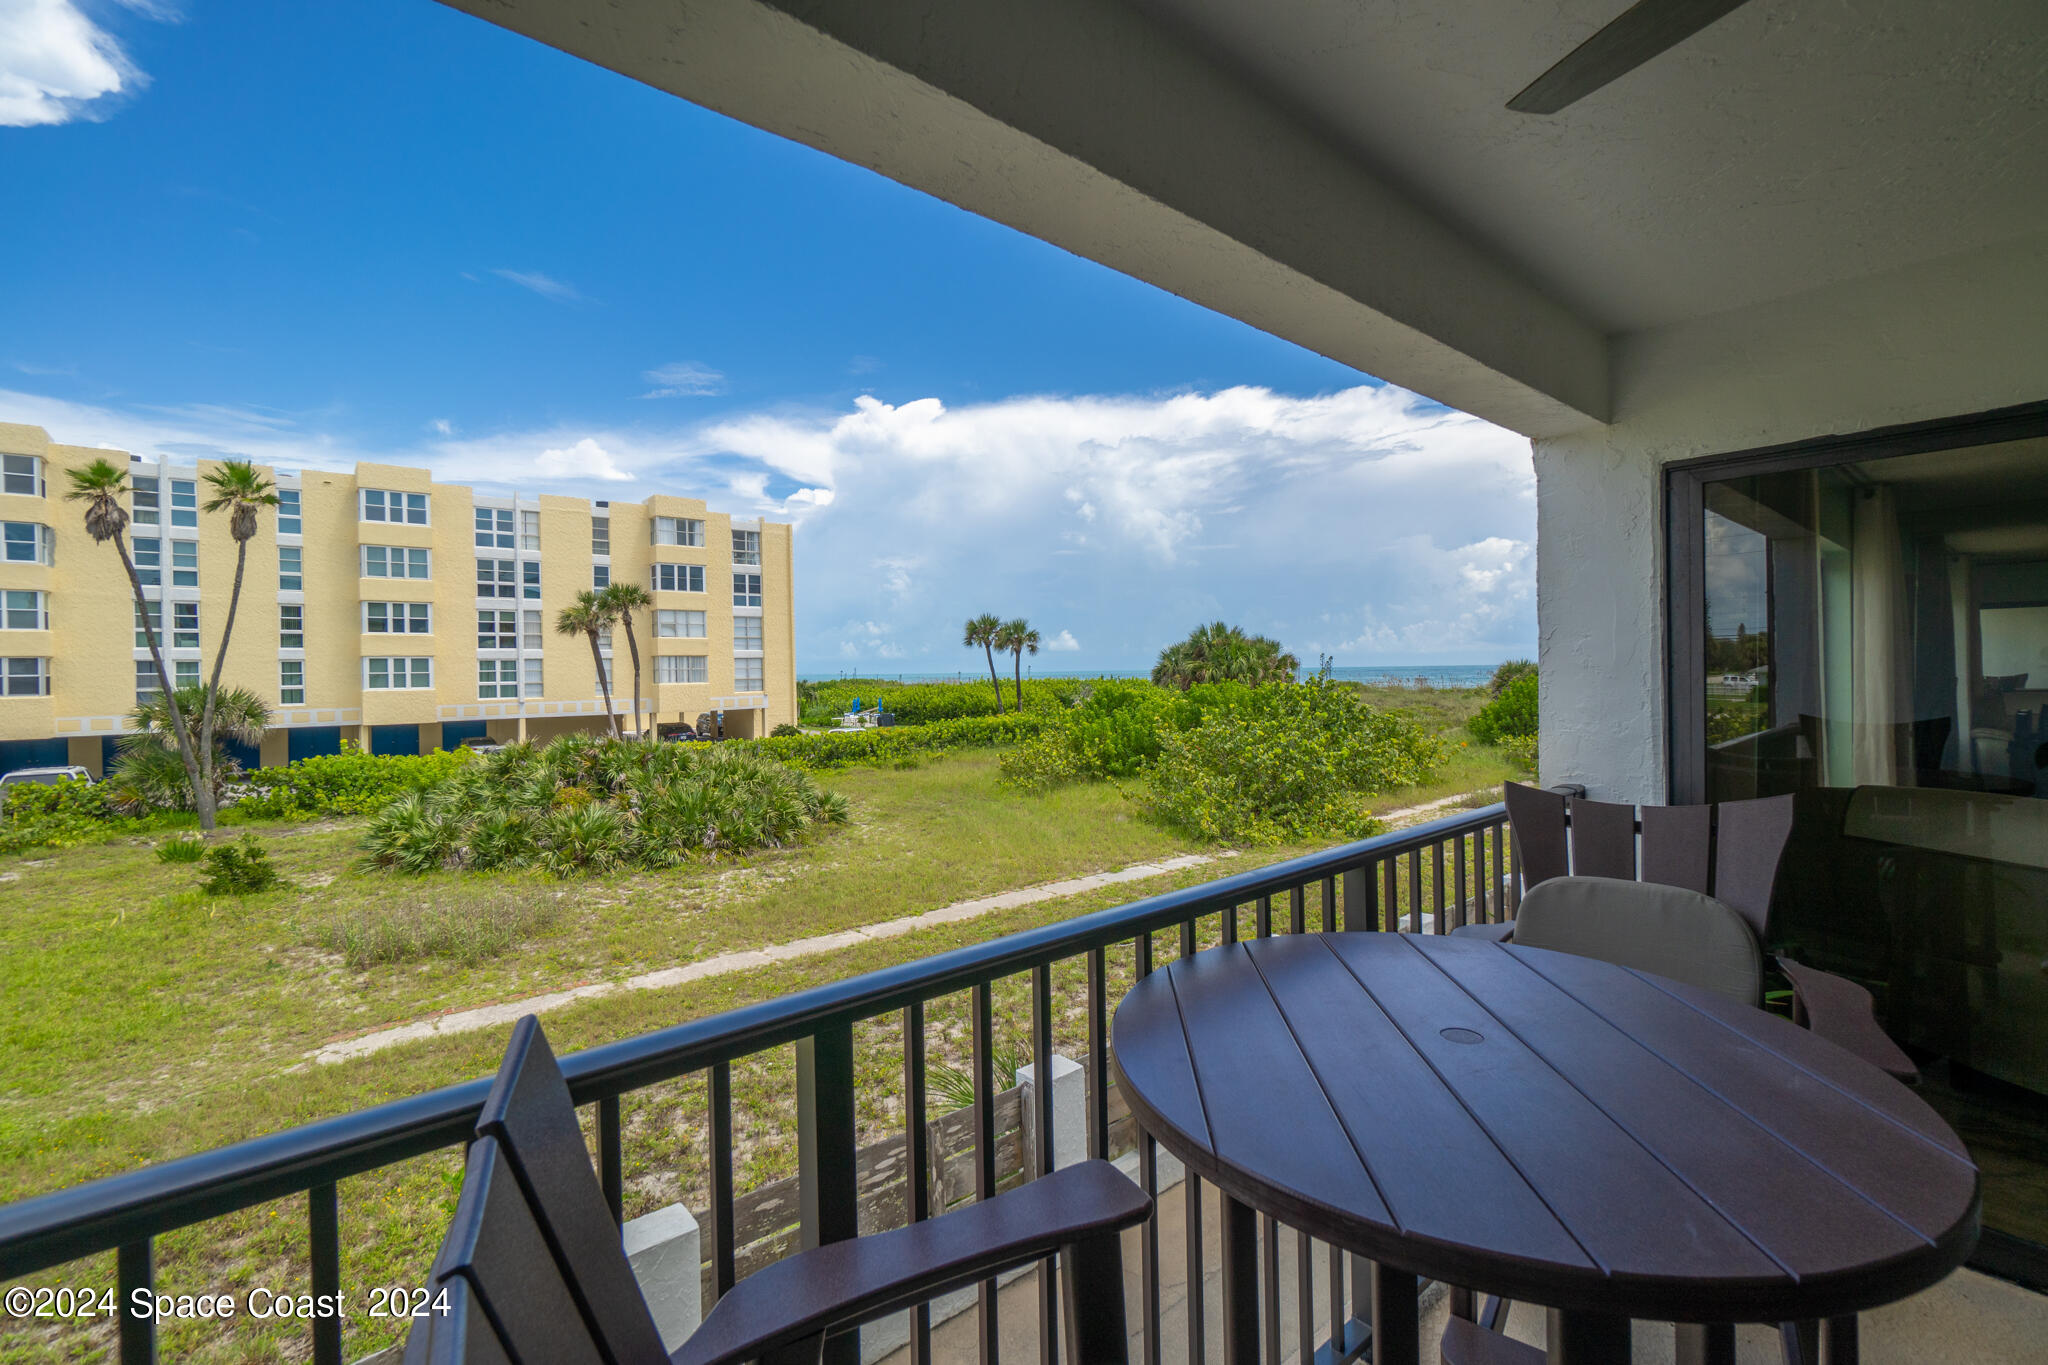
{"x": 100, "y": 486}
{"x": 1017, "y": 637}
{"x": 589, "y": 619}
{"x": 239, "y": 491}
{"x": 146, "y": 776}
{"x": 982, "y": 631}
{"x": 1224, "y": 653}
{"x": 621, "y": 600}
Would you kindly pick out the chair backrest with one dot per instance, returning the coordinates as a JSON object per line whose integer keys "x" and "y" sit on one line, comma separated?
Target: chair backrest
{"x": 1685, "y": 935}
{"x": 533, "y": 1120}
{"x": 1730, "y": 850}
{"x": 455, "y": 1330}
{"x": 495, "y": 1256}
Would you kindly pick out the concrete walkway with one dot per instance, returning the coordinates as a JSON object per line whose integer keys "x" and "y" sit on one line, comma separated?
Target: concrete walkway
{"x": 493, "y": 1016}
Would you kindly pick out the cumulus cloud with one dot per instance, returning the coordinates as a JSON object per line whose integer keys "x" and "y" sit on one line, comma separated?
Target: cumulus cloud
{"x": 57, "y": 65}
{"x": 685, "y": 379}
{"x": 1063, "y": 643}
{"x": 547, "y": 286}
{"x": 442, "y": 426}
{"x": 584, "y": 460}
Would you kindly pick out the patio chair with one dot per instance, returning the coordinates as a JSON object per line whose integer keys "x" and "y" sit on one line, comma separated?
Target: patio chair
{"x": 536, "y": 1271}
{"x": 1728, "y": 852}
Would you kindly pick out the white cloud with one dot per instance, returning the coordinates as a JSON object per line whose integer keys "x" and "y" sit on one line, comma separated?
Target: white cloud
{"x": 584, "y": 460}
{"x": 685, "y": 379}
{"x": 57, "y": 65}
{"x": 1063, "y": 643}
{"x": 547, "y": 286}
{"x": 442, "y": 426}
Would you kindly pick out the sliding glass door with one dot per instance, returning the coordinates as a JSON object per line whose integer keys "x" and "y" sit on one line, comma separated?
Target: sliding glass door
{"x": 1868, "y": 628}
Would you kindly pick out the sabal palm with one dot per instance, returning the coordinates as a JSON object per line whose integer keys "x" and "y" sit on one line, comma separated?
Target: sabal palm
{"x": 239, "y": 714}
{"x": 1018, "y": 637}
{"x": 101, "y": 486}
{"x": 622, "y": 600}
{"x": 588, "y": 618}
{"x": 241, "y": 492}
{"x": 981, "y": 630}
{"x": 1224, "y": 653}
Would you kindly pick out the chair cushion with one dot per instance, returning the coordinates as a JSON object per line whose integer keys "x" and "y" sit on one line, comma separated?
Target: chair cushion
{"x": 1663, "y": 929}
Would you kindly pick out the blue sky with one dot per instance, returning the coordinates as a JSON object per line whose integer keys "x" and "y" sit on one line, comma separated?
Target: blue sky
{"x": 387, "y": 230}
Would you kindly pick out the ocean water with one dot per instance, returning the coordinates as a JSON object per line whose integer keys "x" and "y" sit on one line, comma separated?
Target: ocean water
{"x": 1390, "y": 675}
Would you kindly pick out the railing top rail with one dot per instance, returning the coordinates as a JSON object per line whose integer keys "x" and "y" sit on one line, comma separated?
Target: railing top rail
{"x": 103, "y": 1214}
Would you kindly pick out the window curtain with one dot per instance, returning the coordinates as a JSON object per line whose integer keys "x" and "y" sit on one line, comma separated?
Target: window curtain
{"x": 1881, "y": 690}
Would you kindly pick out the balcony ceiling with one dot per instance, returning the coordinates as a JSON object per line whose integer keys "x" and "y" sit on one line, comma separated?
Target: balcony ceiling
{"x": 1344, "y": 173}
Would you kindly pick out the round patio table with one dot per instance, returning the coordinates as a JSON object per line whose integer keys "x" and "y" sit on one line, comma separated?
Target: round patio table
{"x": 1610, "y": 1144}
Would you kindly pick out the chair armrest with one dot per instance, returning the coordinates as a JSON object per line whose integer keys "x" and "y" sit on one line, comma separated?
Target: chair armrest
{"x": 1842, "y": 1012}
{"x": 1503, "y": 932}
{"x": 844, "y": 1284}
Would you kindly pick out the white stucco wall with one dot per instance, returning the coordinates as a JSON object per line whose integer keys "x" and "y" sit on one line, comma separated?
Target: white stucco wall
{"x": 1937, "y": 340}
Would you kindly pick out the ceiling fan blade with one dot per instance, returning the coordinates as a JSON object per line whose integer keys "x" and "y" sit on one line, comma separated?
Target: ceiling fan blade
{"x": 1642, "y": 31}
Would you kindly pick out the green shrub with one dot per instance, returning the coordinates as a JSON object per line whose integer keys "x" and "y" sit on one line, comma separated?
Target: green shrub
{"x": 821, "y": 703}
{"x": 1272, "y": 764}
{"x": 783, "y": 731}
{"x": 347, "y": 783}
{"x": 885, "y": 746}
{"x": 68, "y": 815}
{"x": 240, "y": 868}
{"x": 1521, "y": 751}
{"x": 183, "y": 849}
{"x": 1507, "y": 673}
{"x": 1512, "y": 714}
{"x": 1113, "y": 733}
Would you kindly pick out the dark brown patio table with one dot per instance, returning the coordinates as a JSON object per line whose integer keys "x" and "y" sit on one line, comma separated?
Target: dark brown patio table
{"x": 1607, "y": 1143}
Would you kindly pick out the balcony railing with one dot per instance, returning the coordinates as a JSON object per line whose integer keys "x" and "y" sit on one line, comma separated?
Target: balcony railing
{"x": 1426, "y": 879}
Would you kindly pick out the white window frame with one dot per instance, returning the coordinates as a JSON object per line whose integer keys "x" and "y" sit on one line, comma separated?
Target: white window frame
{"x": 750, "y": 663}
{"x": 403, "y": 612}
{"x": 184, "y": 625}
{"x": 740, "y": 643}
{"x": 746, "y": 547}
{"x": 677, "y": 669}
{"x": 601, "y": 536}
{"x": 184, "y": 672}
{"x": 146, "y": 503}
{"x": 147, "y": 684}
{"x": 185, "y": 502}
{"x": 184, "y": 563}
{"x": 680, "y": 576}
{"x": 532, "y": 634}
{"x": 676, "y": 624}
{"x": 389, "y": 500}
{"x": 417, "y": 670}
{"x": 408, "y": 555}
{"x": 155, "y": 612}
{"x": 39, "y": 678}
{"x": 503, "y": 583}
{"x": 496, "y": 528}
{"x": 291, "y": 626}
{"x": 530, "y": 677}
{"x": 746, "y": 589}
{"x": 497, "y": 679}
{"x": 685, "y": 532}
{"x": 39, "y": 487}
{"x": 529, "y": 530}
{"x": 600, "y": 577}
{"x": 290, "y": 512}
{"x": 38, "y": 608}
{"x": 291, "y": 569}
{"x": 529, "y": 580}
{"x": 42, "y": 543}
{"x": 291, "y": 682}
{"x": 499, "y": 630}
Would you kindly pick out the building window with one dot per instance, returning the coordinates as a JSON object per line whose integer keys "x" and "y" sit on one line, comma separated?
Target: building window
{"x": 494, "y": 578}
{"x": 21, "y": 474}
{"x": 600, "y": 576}
{"x": 681, "y": 668}
{"x": 529, "y": 629}
{"x": 746, "y": 675}
{"x": 495, "y": 629}
{"x": 494, "y": 528}
{"x": 679, "y": 625}
{"x": 148, "y": 687}
{"x": 529, "y": 531}
{"x": 185, "y": 673}
{"x": 529, "y": 578}
{"x": 148, "y": 554}
{"x": 497, "y": 678}
{"x": 391, "y": 675}
{"x": 184, "y": 625}
{"x": 746, "y": 590}
{"x": 184, "y": 502}
{"x": 604, "y": 639}
{"x": 395, "y": 561}
{"x": 24, "y": 610}
{"x": 184, "y": 563}
{"x": 291, "y": 682}
{"x": 531, "y": 667}
{"x": 154, "y": 613}
{"x": 291, "y": 627}
{"x": 746, "y": 632}
{"x": 145, "y": 494}
{"x": 288, "y": 521}
{"x": 398, "y": 618}
{"x": 746, "y": 547}
{"x": 676, "y": 531}
{"x": 679, "y": 578}
{"x": 601, "y": 535}
{"x": 380, "y": 504}
{"x": 290, "y": 577}
{"x": 31, "y": 542}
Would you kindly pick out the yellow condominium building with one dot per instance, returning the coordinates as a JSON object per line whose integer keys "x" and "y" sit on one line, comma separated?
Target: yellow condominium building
{"x": 378, "y": 607}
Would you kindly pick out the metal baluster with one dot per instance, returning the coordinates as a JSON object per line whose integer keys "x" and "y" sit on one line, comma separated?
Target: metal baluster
{"x": 1337, "y": 1314}
{"x": 611, "y": 1157}
{"x": 135, "y": 1268}
{"x": 1297, "y": 909}
{"x": 1148, "y": 1180}
{"x": 1041, "y": 1058}
{"x": 1415, "y": 891}
{"x": 1459, "y": 897}
{"x": 1192, "y": 1189}
{"x": 1390, "y": 911}
{"x": 985, "y": 1149}
{"x": 1330, "y": 925}
{"x": 323, "y": 1219}
{"x": 1358, "y": 907}
{"x": 1098, "y": 1054}
{"x": 1240, "y": 1272}
{"x": 1229, "y": 925}
{"x": 1483, "y": 899}
{"x": 917, "y": 1139}
{"x": 1187, "y": 938}
{"x": 1510, "y": 867}
{"x": 826, "y": 1163}
{"x": 1436, "y": 884}
{"x": 1263, "y": 919}
{"x": 724, "y": 1254}
{"x": 1269, "y": 1276}
{"x": 1305, "y": 1297}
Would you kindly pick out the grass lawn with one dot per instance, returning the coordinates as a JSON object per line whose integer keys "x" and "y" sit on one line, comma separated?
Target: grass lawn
{"x": 144, "y": 1021}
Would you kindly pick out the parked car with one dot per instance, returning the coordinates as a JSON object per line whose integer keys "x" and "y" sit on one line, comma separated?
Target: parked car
{"x": 482, "y": 746}
{"x": 44, "y": 777}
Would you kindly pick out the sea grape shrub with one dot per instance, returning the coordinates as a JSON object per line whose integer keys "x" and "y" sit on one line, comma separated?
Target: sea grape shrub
{"x": 1113, "y": 733}
{"x": 241, "y": 868}
{"x": 1512, "y": 714}
{"x": 62, "y": 815}
{"x": 1505, "y": 673}
{"x": 895, "y": 745}
{"x": 822, "y": 703}
{"x": 350, "y": 783}
{"x": 1286, "y": 764}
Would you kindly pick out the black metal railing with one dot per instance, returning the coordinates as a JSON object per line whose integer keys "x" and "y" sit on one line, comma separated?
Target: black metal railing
{"x": 1427, "y": 879}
